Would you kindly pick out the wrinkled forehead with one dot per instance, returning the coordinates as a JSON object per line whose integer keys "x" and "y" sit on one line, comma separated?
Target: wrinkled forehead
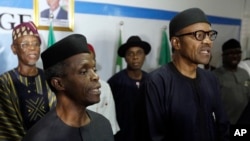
{"x": 27, "y": 38}
{"x": 195, "y": 27}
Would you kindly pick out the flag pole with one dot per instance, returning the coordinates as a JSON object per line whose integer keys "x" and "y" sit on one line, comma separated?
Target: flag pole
{"x": 119, "y": 61}
{"x": 51, "y": 36}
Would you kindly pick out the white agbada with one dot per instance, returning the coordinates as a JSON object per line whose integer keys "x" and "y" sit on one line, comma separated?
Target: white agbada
{"x": 106, "y": 106}
{"x": 245, "y": 64}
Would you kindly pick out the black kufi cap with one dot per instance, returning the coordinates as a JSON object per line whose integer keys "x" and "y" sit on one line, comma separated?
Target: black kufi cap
{"x": 231, "y": 44}
{"x": 63, "y": 49}
{"x": 131, "y": 42}
{"x": 186, "y": 18}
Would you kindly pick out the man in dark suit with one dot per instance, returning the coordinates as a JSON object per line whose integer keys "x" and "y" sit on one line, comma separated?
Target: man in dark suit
{"x": 55, "y": 10}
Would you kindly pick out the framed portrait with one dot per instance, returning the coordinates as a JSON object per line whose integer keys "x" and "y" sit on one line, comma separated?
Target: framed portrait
{"x": 58, "y": 12}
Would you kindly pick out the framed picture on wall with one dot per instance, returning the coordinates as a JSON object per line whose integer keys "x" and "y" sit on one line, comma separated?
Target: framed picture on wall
{"x": 58, "y": 12}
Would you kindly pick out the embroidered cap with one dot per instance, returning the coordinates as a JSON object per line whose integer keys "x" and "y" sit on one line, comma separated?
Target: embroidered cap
{"x": 25, "y": 28}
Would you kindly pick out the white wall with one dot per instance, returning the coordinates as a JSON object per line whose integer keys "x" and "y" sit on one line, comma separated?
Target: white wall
{"x": 245, "y": 30}
{"x": 102, "y": 30}
{"x": 221, "y": 8}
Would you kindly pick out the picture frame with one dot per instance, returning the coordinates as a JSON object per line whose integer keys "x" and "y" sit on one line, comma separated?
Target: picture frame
{"x": 62, "y": 18}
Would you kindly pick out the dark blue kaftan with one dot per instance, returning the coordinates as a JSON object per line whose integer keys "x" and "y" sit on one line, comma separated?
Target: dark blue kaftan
{"x": 52, "y": 128}
{"x": 184, "y": 109}
{"x": 126, "y": 95}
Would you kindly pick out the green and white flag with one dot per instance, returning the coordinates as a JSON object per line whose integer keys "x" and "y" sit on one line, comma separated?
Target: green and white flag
{"x": 119, "y": 65}
{"x": 165, "y": 56}
{"x": 51, "y": 36}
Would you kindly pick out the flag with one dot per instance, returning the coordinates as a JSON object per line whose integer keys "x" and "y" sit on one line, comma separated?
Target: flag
{"x": 118, "y": 58}
{"x": 165, "y": 56}
{"x": 51, "y": 37}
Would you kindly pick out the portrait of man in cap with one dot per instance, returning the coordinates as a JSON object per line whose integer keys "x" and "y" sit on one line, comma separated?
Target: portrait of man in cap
{"x": 71, "y": 74}
{"x": 125, "y": 86}
{"x": 54, "y": 11}
{"x": 59, "y": 13}
{"x": 24, "y": 94}
{"x": 182, "y": 100}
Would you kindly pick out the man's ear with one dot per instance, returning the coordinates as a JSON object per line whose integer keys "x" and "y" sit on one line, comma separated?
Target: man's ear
{"x": 56, "y": 82}
{"x": 13, "y": 48}
{"x": 175, "y": 43}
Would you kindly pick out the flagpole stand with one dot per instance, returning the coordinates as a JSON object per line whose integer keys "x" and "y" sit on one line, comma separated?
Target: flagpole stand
{"x": 121, "y": 23}
{"x": 51, "y": 17}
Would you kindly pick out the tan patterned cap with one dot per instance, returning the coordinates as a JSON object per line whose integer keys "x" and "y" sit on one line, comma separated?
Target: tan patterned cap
{"x": 25, "y": 28}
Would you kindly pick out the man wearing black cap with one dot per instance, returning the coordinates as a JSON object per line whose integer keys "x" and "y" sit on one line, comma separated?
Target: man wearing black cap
{"x": 25, "y": 97}
{"x": 183, "y": 101}
{"x": 235, "y": 83}
{"x": 70, "y": 73}
{"x": 125, "y": 86}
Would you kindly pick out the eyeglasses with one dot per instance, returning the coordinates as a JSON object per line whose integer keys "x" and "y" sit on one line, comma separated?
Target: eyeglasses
{"x": 200, "y": 35}
{"x": 25, "y": 45}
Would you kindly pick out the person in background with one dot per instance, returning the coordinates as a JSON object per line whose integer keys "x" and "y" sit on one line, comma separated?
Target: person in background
{"x": 71, "y": 74}
{"x": 54, "y": 10}
{"x": 125, "y": 86}
{"x": 183, "y": 101}
{"x": 25, "y": 97}
{"x": 106, "y": 106}
{"x": 234, "y": 83}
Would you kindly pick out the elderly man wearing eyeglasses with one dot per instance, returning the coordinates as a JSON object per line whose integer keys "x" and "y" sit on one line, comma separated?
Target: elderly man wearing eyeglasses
{"x": 183, "y": 101}
{"x": 25, "y": 96}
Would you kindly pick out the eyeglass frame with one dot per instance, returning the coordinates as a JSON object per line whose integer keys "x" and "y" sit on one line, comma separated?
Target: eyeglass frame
{"x": 204, "y": 33}
{"x": 25, "y": 45}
